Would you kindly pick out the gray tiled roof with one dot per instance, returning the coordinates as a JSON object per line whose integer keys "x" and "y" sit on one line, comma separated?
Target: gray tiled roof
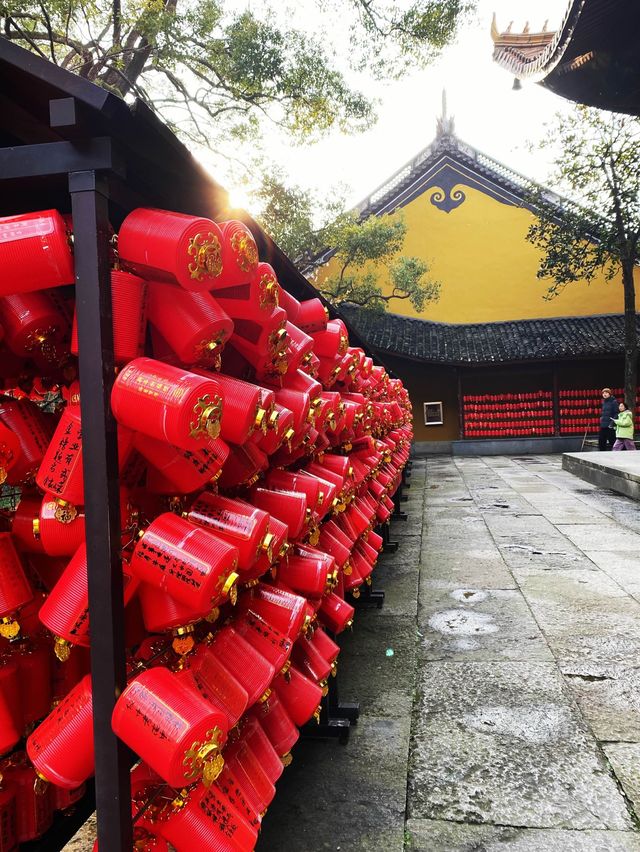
{"x": 486, "y": 343}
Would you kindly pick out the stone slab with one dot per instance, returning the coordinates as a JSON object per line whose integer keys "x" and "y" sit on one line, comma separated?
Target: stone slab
{"x": 478, "y": 624}
{"x": 502, "y": 743}
{"x": 608, "y": 697}
{"x": 625, "y": 760}
{"x": 616, "y": 471}
{"x": 597, "y": 537}
{"x": 441, "y": 836}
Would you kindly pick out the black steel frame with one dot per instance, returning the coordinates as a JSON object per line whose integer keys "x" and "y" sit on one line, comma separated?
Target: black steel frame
{"x": 88, "y": 166}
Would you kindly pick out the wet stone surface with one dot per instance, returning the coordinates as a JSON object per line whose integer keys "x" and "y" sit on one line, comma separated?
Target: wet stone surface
{"x": 527, "y": 711}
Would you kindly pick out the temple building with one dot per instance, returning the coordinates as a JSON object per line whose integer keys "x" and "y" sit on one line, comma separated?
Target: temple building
{"x": 491, "y": 360}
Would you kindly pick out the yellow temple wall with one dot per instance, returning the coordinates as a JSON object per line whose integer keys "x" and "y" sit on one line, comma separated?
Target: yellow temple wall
{"x": 479, "y": 253}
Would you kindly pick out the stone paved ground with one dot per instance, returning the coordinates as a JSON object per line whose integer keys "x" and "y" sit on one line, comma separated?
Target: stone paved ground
{"x": 526, "y": 723}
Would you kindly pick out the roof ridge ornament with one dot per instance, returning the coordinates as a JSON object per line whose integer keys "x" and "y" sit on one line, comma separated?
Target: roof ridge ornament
{"x": 445, "y": 124}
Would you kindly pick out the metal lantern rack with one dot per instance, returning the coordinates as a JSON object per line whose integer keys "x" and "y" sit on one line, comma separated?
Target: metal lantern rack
{"x": 67, "y": 144}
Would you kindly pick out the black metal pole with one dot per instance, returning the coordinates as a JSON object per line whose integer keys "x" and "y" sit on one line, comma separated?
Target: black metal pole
{"x": 89, "y": 199}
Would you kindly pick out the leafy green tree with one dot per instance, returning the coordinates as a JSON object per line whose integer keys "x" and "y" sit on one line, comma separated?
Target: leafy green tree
{"x": 217, "y": 70}
{"x": 597, "y": 163}
{"x": 371, "y": 268}
{"x": 295, "y": 217}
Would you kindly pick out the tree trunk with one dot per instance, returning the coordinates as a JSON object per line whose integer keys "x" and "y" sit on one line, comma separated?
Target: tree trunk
{"x": 630, "y": 335}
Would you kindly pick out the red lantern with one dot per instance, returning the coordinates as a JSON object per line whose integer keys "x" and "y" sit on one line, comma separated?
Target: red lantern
{"x": 247, "y": 665}
{"x": 36, "y": 686}
{"x": 170, "y": 725}
{"x": 193, "y": 324}
{"x": 311, "y": 662}
{"x": 129, "y": 316}
{"x": 61, "y": 747}
{"x": 15, "y": 589}
{"x": 242, "y": 525}
{"x": 66, "y": 611}
{"x": 335, "y": 613}
{"x": 253, "y": 299}
{"x": 273, "y": 645}
{"x": 177, "y": 470}
{"x": 10, "y": 451}
{"x": 266, "y": 337}
{"x": 33, "y": 430}
{"x": 299, "y": 695}
{"x": 239, "y": 254}
{"x": 307, "y": 575}
{"x": 34, "y": 252}
{"x": 172, "y": 247}
{"x": 160, "y": 612}
{"x": 34, "y": 804}
{"x": 207, "y": 820}
{"x": 11, "y": 718}
{"x": 312, "y": 316}
{"x": 58, "y": 529}
{"x": 278, "y": 726}
{"x": 254, "y": 781}
{"x": 284, "y": 610}
{"x": 332, "y": 340}
{"x": 243, "y": 409}
{"x": 290, "y": 507}
{"x": 217, "y": 684}
{"x": 34, "y": 325}
{"x": 60, "y": 473}
{"x": 167, "y": 403}
{"x": 187, "y": 562}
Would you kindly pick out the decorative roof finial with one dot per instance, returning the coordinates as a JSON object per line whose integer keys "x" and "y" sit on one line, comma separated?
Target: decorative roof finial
{"x": 445, "y": 125}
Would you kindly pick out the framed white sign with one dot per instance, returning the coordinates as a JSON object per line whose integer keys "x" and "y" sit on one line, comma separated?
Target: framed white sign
{"x": 433, "y": 414}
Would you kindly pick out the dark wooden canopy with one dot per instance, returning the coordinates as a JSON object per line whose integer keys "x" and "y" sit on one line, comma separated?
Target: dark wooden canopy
{"x": 593, "y": 58}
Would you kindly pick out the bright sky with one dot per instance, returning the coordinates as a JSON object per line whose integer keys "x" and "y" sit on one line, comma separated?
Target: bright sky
{"x": 489, "y": 114}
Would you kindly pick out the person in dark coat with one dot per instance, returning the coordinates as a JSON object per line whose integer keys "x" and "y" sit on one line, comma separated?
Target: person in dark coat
{"x": 607, "y": 434}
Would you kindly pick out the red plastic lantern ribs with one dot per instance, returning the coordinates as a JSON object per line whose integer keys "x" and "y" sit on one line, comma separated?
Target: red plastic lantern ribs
{"x": 172, "y": 247}
{"x": 193, "y": 324}
{"x": 243, "y": 409}
{"x": 34, "y": 666}
{"x": 278, "y": 726}
{"x": 187, "y": 562}
{"x": 283, "y": 610}
{"x": 208, "y": 820}
{"x": 10, "y": 452}
{"x": 34, "y": 325}
{"x": 239, "y": 254}
{"x": 217, "y": 685}
{"x": 273, "y": 645}
{"x": 66, "y": 611}
{"x": 251, "y": 300}
{"x": 11, "y": 719}
{"x": 175, "y": 470}
{"x": 34, "y": 252}
{"x": 33, "y": 430}
{"x": 300, "y": 696}
{"x": 129, "y": 316}
{"x": 34, "y": 804}
{"x": 60, "y": 473}
{"x": 238, "y": 523}
{"x": 61, "y": 747}
{"x": 15, "y": 589}
{"x": 170, "y": 725}
{"x": 247, "y": 665}
{"x": 167, "y": 403}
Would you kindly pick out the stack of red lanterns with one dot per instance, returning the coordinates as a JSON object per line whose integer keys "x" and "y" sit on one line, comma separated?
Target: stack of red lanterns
{"x": 580, "y": 409}
{"x": 508, "y": 415}
{"x": 258, "y": 451}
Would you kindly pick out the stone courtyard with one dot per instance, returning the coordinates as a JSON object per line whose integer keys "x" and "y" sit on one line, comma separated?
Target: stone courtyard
{"x": 499, "y": 685}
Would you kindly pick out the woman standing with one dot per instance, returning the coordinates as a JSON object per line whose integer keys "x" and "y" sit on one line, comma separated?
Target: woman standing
{"x": 607, "y": 434}
{"x": 624, "y": 429}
